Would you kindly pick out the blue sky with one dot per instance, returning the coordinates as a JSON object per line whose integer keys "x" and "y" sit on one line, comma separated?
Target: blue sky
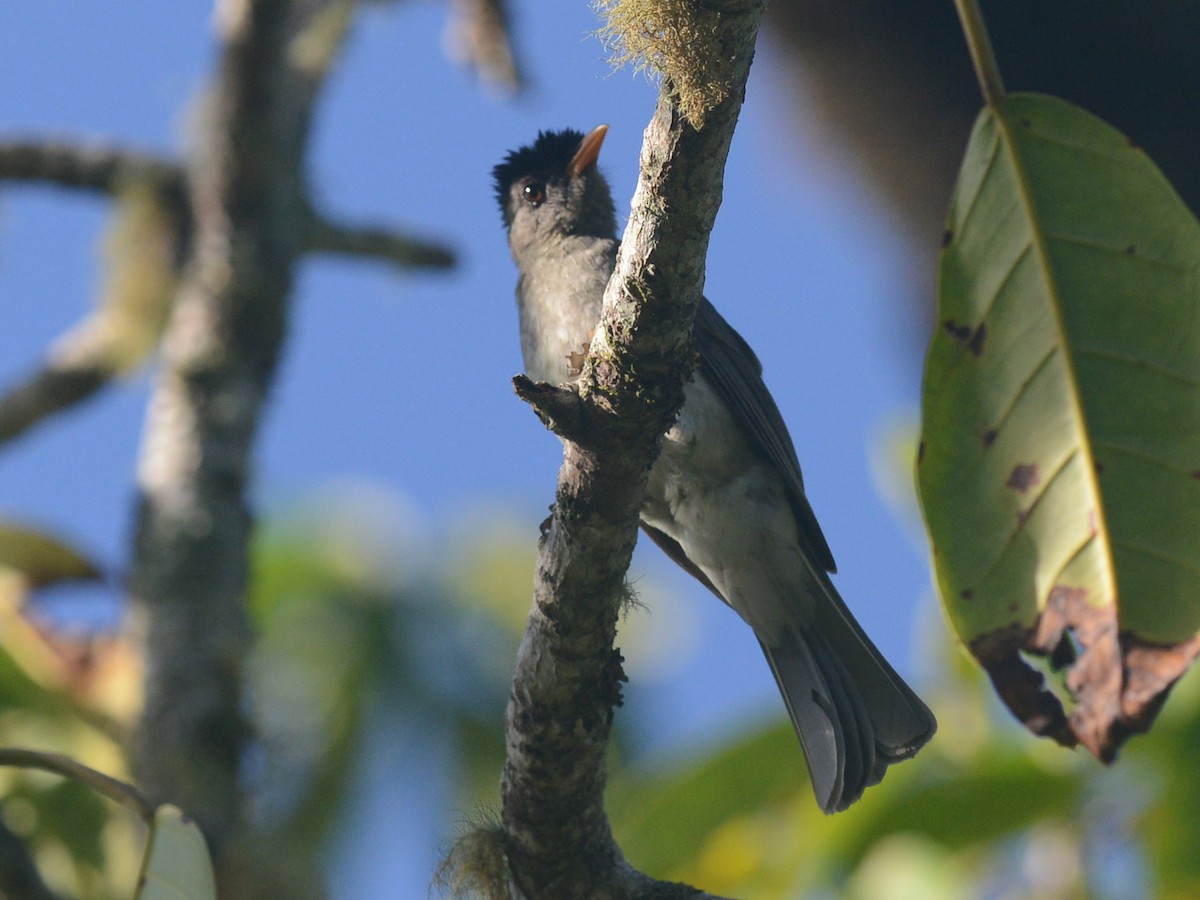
{"x": 404, "y": 381}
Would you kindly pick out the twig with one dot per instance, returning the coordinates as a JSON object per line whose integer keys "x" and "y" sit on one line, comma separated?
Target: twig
{"x": 114, "y": 789}
{"x": 47, "y": 391}
{"x": 324, "y": 236}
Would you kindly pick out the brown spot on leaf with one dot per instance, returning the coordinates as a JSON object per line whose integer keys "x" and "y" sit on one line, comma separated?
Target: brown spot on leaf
{"x": 1023, "y": 477}
{"x": 1131, "y": 250}
{"x": 920, "y": 452}
{"x": 1118, "y": 681}
{"x": 956, "y": 331}
{"x": 1098, "y": 466}
{"x": 1196, "y": 473}
{"x": 947, "y": 237}
{"x": 975, "y": 345}
{"x": 989, "y": 437}
{"x": 967, "y": 594}
{"x": 1151, "y": 670}
{"x": 1022, "y": 688}
{"x": 1024, "y": 123}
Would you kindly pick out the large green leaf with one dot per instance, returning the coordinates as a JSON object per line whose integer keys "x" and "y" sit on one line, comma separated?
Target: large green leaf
{"x": 1060, "y": 459}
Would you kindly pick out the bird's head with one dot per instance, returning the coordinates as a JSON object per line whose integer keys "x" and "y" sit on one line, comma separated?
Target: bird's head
{"x": 552, "y": 190}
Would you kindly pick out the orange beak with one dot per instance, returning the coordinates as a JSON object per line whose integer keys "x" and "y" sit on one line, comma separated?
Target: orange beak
{"x": 588, "y": 152}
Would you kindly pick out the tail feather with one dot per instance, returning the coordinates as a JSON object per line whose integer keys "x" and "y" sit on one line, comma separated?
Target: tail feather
{"x": 853, "y": 714}
{"x": 817, "y": 721}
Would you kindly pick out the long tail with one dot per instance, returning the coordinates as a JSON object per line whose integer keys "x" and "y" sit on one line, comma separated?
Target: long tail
{"x": 854, "y": 715}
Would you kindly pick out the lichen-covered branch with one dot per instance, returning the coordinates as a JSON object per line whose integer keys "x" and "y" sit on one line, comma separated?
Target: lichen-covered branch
{"x": 568, "y": 673}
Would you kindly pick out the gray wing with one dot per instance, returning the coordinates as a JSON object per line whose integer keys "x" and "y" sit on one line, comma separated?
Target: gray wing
{"x": 729, "y": 364}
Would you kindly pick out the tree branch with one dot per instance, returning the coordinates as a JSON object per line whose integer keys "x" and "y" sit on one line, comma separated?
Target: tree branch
{"x": 221, "y": 349}
{"x": 324, "y": 236}
{"x": 479, "y": 36}
{"x": 66, "y": 379}
{"x": 96, "y": 168}
{"x": 51, "y": 389}
{"x": 568, "y": 673}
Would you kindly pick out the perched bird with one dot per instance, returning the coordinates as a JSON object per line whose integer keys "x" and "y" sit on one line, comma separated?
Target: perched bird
{"x": 725, "y": 499}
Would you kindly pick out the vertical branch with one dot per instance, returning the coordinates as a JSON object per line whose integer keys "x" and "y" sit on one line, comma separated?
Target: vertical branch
{"x": 221, "y": 349}
{"x": 568, "y": 673}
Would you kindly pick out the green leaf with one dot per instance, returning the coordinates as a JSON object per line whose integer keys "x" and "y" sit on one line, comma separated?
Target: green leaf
{"x": 1059, "y": 470}
{"x": 661, "y": 820}
{"x": 41, "y": 558}
{"x": 176, "y": 865}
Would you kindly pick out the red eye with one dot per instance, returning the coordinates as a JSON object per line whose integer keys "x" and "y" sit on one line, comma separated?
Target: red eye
{"x": 534, "y": 193}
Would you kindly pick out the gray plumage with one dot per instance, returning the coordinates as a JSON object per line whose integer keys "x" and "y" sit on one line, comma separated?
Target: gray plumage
{"x": 725, "y": 499}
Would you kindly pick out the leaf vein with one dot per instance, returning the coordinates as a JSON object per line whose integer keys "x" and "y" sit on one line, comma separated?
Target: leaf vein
{"x": 1026, "y": 249}
{"x": 1139, "y": 362}
{"x": 998, "y": 425}
{"x": 1154, "y": 552}
{"x": 993, "y": 155}
{"x": 1122, "y": 252}
{"x": 1074, "y": 555}
{"x": 1012, "y": 535}
{"x": 1083, "y": 149}
{"x": 1138, "y": 454}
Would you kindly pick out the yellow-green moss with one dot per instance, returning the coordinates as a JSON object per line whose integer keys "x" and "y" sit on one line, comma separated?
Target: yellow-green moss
{"x": 683, "y": 41}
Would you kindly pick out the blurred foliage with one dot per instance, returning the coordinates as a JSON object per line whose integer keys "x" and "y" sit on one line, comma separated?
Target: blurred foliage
{"x": 360, "y": 615}
{"x": 40, "y": 559}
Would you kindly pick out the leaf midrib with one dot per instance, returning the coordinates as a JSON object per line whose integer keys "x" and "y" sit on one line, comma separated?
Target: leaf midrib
{"x": 1038, "y": 240}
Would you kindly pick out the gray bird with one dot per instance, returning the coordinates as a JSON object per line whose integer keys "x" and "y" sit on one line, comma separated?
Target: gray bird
{"x": 725, "y": 499}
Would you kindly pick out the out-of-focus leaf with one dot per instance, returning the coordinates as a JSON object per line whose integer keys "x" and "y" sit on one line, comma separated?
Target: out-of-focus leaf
{"x": 660, "y": 820}
{"x": 42, "y": 559}
{"x": 493, "y": 566}
{"x": 957, "y": 806}
{"x": 1061, "y": 419}
{"x": 907, "y": 867}
{"x": 94, "y": 677}
{"x": 351, "y": 618}
{"x": 177, "y": 864}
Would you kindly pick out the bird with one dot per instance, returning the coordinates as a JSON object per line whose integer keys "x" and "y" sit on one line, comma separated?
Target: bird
{"x": 725, "y": 499}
